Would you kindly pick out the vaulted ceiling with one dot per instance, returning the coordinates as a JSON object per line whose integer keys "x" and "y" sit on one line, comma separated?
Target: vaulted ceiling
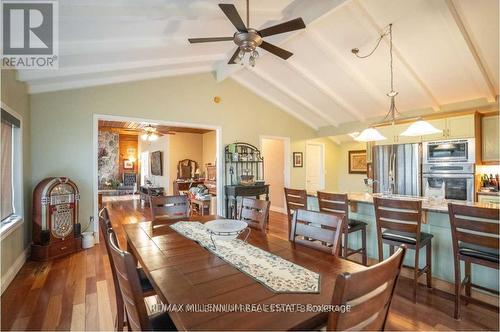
{"x": 446, "y": 51}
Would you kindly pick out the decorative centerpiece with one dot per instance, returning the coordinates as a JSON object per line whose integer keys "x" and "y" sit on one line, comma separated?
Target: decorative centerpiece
{"x": 226, "y": 229}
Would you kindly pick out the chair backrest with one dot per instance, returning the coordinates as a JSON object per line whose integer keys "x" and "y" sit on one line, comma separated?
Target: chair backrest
{"x": 295, "y": 199}
{"x": 333, "y": 203}
{"x": 369, "y": 294}
{"x": 130, "y": 286}
{"x": 186, "y": 169}
{"x": 105, "y": 227}
{"x": 255, "y": 213}
{"x": 169, "y": 207}
{"x": 129, "y": 179}
{"x": 317, "y": 230}
{"x": 474, "y": 225}
{"x": 398, "y": 215}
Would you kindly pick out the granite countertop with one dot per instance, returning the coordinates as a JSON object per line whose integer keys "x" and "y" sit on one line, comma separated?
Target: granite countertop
{"x": 489, "y": 193}
{"x": 427, "y": 205}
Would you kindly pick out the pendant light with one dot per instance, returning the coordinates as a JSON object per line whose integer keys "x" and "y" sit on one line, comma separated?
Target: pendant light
{"x": 418, "y": 128}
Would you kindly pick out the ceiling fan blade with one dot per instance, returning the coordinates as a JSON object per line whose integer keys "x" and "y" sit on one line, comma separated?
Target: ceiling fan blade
{"x": 284, "y": 54}
{"x": 231, "y": 61}
{"x": 208, "y": 40}
{"x": 288, "y": 26}
{"x": 233, "y": 16}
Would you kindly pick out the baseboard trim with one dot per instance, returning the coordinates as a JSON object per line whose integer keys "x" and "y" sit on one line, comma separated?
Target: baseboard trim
{"x": 277, "y": 209}
{"x": 14, "y": 269}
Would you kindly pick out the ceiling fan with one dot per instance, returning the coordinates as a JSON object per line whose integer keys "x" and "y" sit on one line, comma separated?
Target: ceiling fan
{"x": 248, "y": 39}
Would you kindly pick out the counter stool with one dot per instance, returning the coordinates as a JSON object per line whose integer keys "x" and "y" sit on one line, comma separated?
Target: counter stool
{"x": 474, "y": 232}
{"x": 398, "y": 222}
{"x": 339, "y": 204}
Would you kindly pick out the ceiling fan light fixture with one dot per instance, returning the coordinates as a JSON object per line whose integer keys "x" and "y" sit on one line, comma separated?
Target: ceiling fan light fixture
{"x": 370, "y": 135}
{"x": 420, "y": 128}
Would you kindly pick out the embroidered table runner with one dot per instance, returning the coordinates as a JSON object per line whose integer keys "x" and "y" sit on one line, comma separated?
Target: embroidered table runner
{"x": 272, "y": 271}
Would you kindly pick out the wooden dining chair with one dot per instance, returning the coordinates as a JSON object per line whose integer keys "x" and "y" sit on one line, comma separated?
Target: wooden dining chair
{"x": 368, "y": 293}
{"x": 146, "y": 287}
{"x": 339, "y": 204}
{"x": 130, "y": 288}
{"x": 295, "y": 199}
{"x": 255, "y": 213}
{"x": 475, "y": 236}
{"x": 317, "y": 230}
{"x": 398, "y": 222}
{"x": 169, "y": 208}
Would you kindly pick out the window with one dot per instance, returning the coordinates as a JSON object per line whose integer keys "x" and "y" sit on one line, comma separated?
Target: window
{"x": 11, "y": 205}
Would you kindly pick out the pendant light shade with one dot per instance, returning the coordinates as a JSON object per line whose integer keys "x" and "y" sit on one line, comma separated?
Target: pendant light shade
{"x": 420, "y": 128}
{"x": 370, "y": 135}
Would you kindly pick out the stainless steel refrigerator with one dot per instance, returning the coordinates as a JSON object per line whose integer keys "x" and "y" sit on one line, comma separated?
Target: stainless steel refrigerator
{"x": 400, "y": 162}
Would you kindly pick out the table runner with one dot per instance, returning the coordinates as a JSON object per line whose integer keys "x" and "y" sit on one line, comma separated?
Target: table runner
{"x": 274, "y": 272}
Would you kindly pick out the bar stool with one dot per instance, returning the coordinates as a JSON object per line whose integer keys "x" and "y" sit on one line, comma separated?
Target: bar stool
{"x": 398, "y": 222}
{"x": 339, "y": 204}
{"x": 474, "y": 232}
{"x": 295, "y": 199}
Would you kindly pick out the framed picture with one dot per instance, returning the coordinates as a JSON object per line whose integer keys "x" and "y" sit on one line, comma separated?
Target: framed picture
{"x": 298, "y": 159}
{"x": 357, "y": 162}
{"x": 127, "y": 164}
{"x": 156, "y": 163}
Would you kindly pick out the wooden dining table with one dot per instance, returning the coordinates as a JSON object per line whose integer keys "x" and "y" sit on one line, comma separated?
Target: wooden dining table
{"x": 194, "y": 282}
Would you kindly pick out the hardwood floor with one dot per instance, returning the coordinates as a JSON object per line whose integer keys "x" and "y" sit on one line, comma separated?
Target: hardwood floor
{"x": 76, "y": 292}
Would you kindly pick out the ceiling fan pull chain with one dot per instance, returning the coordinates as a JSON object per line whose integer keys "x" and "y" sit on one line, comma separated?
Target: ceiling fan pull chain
{"x": 248, "y": 13}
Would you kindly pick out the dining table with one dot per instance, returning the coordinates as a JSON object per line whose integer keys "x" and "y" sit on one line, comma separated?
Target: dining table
{"x": 201, "y": 291}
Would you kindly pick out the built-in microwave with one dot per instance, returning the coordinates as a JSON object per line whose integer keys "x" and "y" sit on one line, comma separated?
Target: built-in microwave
{"x": 462, "y": 151}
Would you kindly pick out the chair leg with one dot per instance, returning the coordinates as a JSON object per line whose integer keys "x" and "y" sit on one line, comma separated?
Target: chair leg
{"x": 468, "y": 277}
{"x": 391, "y": 250}
{"x": 345, "y": 245}
{"x": 428, "y": 262}
{"x": 415, "y": 275}
{"x": 458, "y": 285}
{"x": 363, "y": 246}
{"x": 380, "y": 250}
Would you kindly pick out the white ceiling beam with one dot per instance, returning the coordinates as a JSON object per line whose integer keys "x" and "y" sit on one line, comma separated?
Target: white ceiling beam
{"x": 335, "y": 97}
{"x": 298, "y": 8}
{"x": 294, "y": 96}
{"x": 412, "y": 73}
{"x": 491, "y": 93}
{"x": 33, "y": 75}
{"x": 272, "y": 100}
{"x": 351, "y": 70}
{"x": 67, "y": 84}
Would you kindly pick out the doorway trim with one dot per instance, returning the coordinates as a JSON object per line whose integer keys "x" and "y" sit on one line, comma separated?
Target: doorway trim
{"x": 323, "y": 163}
{"x": 95, "y": 129}
{"x": 286, "y": 157}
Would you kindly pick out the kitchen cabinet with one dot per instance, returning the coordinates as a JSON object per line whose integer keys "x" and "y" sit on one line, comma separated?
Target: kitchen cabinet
{"x": 398, "y": 129}
{"x": 388, "y": 132}
{"x": 490, "y": 139}
{"x": 453, "y": 128}
{"x": 488, "y": 198}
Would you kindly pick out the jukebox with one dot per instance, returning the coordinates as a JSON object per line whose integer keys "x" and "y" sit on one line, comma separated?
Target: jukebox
{"x": 56, "y": 230}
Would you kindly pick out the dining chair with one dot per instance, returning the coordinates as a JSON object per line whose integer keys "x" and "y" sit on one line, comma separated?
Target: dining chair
{"x": 169, "y": 208}
{"x": 368, "y": 293}
{"x": 475, "y": 236}
{"x": 255, "y": 213}
{"x": 317, "y": 230}
{"x": 146, "y": 287}
{"x": 398, "y": 222}
{"x": 130, "y": 288}
{"x": 339, "y": 204}
{"x": 295, "y": 199}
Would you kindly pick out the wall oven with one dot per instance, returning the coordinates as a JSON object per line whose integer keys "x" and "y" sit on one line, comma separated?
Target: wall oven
{"x": 462, "y": 151}
{"x": 453, "y": 181}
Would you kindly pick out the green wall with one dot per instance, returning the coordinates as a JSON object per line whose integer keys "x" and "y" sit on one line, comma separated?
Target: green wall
{"x": 14, "y": 95}
{"x": 61, "y": 134}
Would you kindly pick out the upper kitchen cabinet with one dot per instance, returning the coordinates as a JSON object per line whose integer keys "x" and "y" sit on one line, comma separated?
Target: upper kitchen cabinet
{"x": 490, "y": 139}
{"x": 388, "y": 132}
{"x": 453, "y": 128}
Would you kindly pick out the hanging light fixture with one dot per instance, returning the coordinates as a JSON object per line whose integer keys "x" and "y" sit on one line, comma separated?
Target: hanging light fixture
{"x": 149, "y": 134}
{"x": 419, "y": 128}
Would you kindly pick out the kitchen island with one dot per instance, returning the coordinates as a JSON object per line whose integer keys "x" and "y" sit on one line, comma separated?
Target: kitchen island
{"x": 435, "y": 222}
